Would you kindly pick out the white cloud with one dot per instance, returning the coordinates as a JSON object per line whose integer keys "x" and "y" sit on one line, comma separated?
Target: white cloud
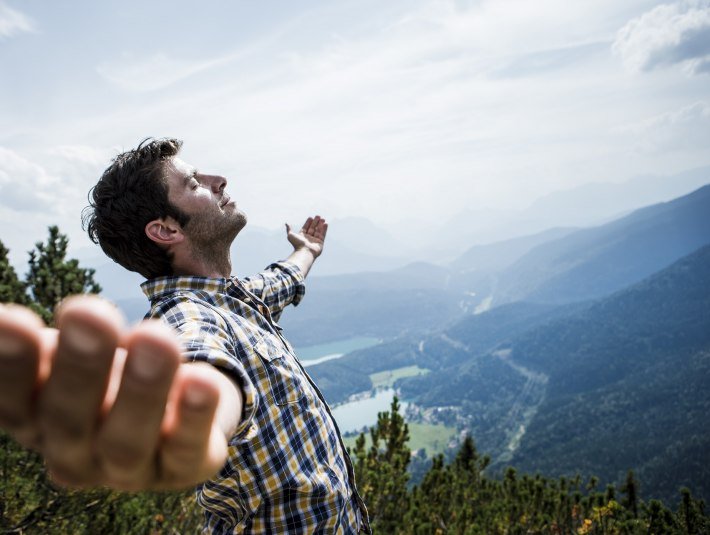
{"x": 46, "y": 187}
{"x": 698, "y": 111}
{"x": 683, "y": 128}
{"x": 24, "y": 185}
{"x": 668, "y": 34}
{"x": 154, "y": 72}
{"x": 79, "y": 168}
{"x": 55, "y": 181}
{"x": 13, "y": 21}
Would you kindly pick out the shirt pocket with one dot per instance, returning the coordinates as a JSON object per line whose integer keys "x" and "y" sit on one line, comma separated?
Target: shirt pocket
{"x": 285, "y": 377}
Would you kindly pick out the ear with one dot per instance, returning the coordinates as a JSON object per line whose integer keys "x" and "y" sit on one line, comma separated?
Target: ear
{"x": 165, "y": 231}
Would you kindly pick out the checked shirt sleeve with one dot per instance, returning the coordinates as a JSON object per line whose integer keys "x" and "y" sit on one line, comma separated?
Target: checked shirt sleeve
{"x": 279, "y": 285}
{"x": 206, "y": 337}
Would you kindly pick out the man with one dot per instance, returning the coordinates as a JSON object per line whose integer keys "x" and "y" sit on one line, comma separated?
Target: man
{"x": 218, "y": 395}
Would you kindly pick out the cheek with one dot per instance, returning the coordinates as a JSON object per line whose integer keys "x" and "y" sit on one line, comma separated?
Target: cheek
{"x": 198, "y": 201}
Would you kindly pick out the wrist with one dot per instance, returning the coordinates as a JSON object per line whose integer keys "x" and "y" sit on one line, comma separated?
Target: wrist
{"x": 304, "y": 249}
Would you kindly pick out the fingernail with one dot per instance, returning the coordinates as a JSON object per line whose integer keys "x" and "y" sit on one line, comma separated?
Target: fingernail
{"x": 81, "y": 338}
{"x": 10, "y": 345}
{"x": 197, "y": 396}
{"x": 146, "y": 366}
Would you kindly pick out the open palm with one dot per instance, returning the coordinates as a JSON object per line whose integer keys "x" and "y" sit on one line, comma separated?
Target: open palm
{"x": 310, "y": 237}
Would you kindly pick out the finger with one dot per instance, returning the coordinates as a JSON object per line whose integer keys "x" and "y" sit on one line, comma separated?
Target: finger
{"x": 128, "y": 438}
{"x": 193, "y": 448}
{"x": 288, "y": 229}
{"x": 314, "y": 225}
{"x": 71, "y": 400}
{"x": 323, "y": 230}
{"x": 306, "y": 225}
{"x": 21, "y": 353}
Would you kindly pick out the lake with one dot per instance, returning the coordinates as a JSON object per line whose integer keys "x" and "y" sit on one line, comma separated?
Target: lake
{"x": 353, "y": 415}
{"x": 311, "y": 355}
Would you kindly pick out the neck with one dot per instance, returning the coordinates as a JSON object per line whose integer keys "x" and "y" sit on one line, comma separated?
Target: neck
{"x": 213, "y": 264}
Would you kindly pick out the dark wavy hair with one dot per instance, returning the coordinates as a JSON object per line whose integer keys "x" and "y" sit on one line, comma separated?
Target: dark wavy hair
{"x": 132, "y": 192}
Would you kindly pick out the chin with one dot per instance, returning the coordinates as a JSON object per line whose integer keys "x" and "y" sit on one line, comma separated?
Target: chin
{"x": 240, "y": 221}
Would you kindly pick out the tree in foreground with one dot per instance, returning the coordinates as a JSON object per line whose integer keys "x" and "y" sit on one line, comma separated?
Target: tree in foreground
{"x": 12, "y": 290}
{"x": 459, "y": 498}
{"x": 381, "y": 469}
{"x": 52, "y": 277}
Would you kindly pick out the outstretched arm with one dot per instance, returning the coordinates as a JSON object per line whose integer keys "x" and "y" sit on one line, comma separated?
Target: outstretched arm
{"x": 307, "y": 243}
{"x": 109, "y": 406}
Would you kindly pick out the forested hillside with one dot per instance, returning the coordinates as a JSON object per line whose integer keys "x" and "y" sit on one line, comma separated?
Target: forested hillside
{"x": 629, "y": 384}
{"x": 595, "y": 388}
{"x": 620, "y": 383}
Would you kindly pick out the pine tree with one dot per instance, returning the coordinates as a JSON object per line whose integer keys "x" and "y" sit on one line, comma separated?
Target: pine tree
{"x": 660, "y": 520}
{"x": 52, "y": 277}
{"x": 630, "y": 492}
{"x": 691, "y": 514}
{"x": 381, "y": 470}
{"x": 12, "y": 290}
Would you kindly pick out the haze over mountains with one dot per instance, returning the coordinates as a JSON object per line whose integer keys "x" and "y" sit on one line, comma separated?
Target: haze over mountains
{"x": 356, "y": 245}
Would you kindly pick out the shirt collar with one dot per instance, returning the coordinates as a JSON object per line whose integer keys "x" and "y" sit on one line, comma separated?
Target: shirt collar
{"x": 159, "y": 287}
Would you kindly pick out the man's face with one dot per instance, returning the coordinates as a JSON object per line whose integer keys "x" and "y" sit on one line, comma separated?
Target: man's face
{"x": 215, "y": 219}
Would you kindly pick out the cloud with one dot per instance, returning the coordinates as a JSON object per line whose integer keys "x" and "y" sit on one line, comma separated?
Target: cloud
{"x": 543, "y": 62}
{"x": 154, "y": 72}
{"x": 678, "y": 129}
{"x": 78, "y": 168}
{"x": 13, "y": 22}
{"x": 698, "y": 111}
{"x": 55, "y": 182}
{"x": 83, "y": 154}
{"x": 24, "y": 185}
{"x": 668, "y": 34}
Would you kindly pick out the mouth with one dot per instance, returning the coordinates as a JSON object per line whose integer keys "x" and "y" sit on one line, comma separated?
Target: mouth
{"x": 225, "y": 200}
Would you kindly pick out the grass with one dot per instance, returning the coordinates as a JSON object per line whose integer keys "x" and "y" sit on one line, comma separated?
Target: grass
{"x": 433, "y": 438}
{"x": 388, "y": 377}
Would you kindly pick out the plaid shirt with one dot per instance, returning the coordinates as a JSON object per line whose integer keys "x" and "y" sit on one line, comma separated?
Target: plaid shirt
{"x": 287, "y": 471}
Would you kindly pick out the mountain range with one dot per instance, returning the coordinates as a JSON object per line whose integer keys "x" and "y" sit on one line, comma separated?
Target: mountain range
{"x": 558, "y": 266}
{"x": 590, "y": 379}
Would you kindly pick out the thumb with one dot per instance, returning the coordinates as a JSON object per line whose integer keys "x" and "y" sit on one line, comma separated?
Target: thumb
{"x": 288, "y": 228}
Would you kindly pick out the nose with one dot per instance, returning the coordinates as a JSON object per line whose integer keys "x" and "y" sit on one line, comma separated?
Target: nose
{"x": 218, "y": 183}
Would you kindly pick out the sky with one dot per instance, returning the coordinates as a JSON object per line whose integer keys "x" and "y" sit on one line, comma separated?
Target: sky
{"x": 405, "y": 112}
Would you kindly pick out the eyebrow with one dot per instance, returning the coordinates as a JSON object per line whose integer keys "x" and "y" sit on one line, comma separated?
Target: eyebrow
{"x": 193, "y": 174}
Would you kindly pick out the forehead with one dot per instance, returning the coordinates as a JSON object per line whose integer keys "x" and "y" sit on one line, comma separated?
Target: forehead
{"x": 176, "y": 171}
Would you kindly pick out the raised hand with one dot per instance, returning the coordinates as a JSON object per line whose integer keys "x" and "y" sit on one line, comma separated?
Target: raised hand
{"x": 107, "y": 406}
{"x": 311, "y": 236}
